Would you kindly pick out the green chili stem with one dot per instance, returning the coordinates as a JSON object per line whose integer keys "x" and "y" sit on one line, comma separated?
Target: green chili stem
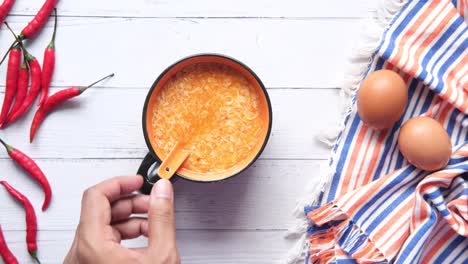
{"x": 7, "y": 147}
{"x": 84, "y": 88}
{"x": 52, "y": 41}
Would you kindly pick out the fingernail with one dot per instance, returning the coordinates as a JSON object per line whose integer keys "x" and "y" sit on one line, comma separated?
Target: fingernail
{"x": 162, "y": 189}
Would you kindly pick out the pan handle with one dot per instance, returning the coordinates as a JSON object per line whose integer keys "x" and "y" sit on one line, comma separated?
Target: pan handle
{"x": 148, "y": 178}
{"x": 148, "y": 170}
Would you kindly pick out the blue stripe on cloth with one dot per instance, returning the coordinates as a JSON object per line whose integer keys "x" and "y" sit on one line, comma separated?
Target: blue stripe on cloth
{"x": 360, "y": 241}
{"x": 403, "y": 196}
{"x": 434, "y": 63}
{"x": 454, "y": 161}
{"x": 416, "y": 238}
{"x": 344, "y": 153}
{"x": 459, "y": 137}
{"x": 427, "y": 103}
{"x": 309, "y": 209}
{"x": 451, "y": 122}
{"x": 458, "y": 195}
{"x": 445, "y": 51}
{"x": 399, "y": 162}
{"x": 343, "y": 156}
{"x": 448, "y": 249}
{"x": 421, "y": 89}
{"x": 437, "y": 45}
{"x": 380, "y": 64}
{"x": 397, "y": 180}
{"x": 413, "y": 87}
{"x": 382, "y": 41}
{"x": 346, "y": 233}
{"x": 432, "y": 196}
{"x": 351, "y": 239}
{"x": 376, "y": 220}
{"x": 345, "y": 261}
{"x": 449, "y": 62}
{"x": 462, "y": 166}
{"x": 456, "y": 186}
{"x": 315, "y": 228}
{"x": 417, "y": 5}
{"x": 462, "y": 256}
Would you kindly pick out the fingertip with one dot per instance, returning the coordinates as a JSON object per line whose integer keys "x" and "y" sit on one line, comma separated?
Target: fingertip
{"x": 116, "y": 187}
{"x": 161, "y": 229}
{"x": 130, "y": 183}
{"x": 139, "y": 179}
{"x": 144, "y": 228}
{"x": 162, "y": 189}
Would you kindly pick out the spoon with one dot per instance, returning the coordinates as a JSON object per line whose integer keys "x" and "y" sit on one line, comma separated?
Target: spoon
{"x": 174, "y": 160}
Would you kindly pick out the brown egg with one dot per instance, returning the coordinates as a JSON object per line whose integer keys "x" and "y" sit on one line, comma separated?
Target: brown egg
{"x": 382, "y": 99}
{"x": 425, "y": 143}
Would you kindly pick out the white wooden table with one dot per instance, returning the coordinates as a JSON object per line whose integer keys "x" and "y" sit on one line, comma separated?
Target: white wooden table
{"x": 297, "y": 47}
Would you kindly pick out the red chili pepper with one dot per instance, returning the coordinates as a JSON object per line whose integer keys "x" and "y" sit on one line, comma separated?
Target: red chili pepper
{"x": 35, "y": 80}
{"x": 5, "y": 252}
{"x": 23, "y": 82}
{"x": 11, "y": 82}
{"x": 5, "y": 8}
{"x": 54, "y": 101}
{"x": 32, "y": 169}
{"x": 39, "y": 20}
{"x": 35, "y": 25}
{"x": 48, "y": 65}
{"x": 34, "y": 90}
{"x": 31, "y": 220}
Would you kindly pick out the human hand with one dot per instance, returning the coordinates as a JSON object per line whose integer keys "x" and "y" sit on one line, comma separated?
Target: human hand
{"x": 106, "y": 220}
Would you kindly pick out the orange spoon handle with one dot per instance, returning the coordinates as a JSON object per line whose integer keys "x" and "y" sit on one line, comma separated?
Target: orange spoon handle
{"x": 172, "y": 163}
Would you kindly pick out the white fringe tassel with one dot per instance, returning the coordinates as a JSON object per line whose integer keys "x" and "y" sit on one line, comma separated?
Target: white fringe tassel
{"x": 372, "y": 31}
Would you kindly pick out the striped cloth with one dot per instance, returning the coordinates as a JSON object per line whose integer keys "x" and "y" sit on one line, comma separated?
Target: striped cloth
{"x": 379, "y": 208}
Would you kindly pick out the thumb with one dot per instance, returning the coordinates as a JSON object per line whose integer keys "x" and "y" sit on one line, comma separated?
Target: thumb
{"x": 161, "y": 226}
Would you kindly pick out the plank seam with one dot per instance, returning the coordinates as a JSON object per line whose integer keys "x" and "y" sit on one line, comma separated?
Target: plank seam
{"x": 140, "y": 158}
{"x": 202, "y": 17}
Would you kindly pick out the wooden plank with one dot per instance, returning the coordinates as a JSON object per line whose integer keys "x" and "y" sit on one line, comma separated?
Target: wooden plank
{"x": 284, "y": 53}
{"x": 262, "y": 198}
{"x": 195, "y": 246}
{"x": 106, "y": 123}
{"x": 205, "y": 8}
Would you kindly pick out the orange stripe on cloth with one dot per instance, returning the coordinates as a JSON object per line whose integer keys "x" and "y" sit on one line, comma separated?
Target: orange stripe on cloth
{"x": 458, "y": 220}
{"x": 427, "y": 42}
{"x": 384, "y": 229}
{"x": 410, "y": 31}
{"x": 375, "y": 156}
{"x": 437, "y": 180}
{"x": 461, "y": 7}
{"x": 363, "y": 160}
{"x": 463, "y": 152}
{"x": 365, "y": 193}
{"x": 433, "y": 108}
{"x": 324, "y": 247}
{"x": 443, "y": 113}
{"x": 354, "y": 156}
{"x": 386, "y": 217}
{"x": 442, "y": 242}
{"x": 461, "y": 91}
{"x": 325, "y": 213}
{"x": 370, "y": 251}
{"x": 396, "y": 246}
